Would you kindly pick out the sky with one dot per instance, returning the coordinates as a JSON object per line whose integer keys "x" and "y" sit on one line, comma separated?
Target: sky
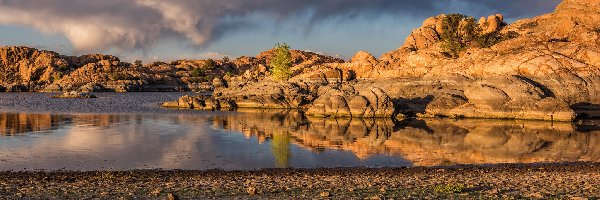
{"x": 166, "y": 30}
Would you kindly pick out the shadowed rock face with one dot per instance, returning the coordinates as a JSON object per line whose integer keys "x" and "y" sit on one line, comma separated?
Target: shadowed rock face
{"x": 429, "y": 142}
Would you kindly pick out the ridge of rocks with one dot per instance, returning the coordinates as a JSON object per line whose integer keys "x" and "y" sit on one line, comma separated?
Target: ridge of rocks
{"x": 29, "y": 69}
{"x": 543, "y": 68}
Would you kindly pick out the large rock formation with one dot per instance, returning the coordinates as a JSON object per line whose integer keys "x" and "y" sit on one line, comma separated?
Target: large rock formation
{"x": 545, "y": 68}
{"x": 29, "y": 69}
{"x": 346, "y": 102}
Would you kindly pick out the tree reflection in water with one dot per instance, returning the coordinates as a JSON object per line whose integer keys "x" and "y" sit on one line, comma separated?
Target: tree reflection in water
{"x": 281, "y": 149}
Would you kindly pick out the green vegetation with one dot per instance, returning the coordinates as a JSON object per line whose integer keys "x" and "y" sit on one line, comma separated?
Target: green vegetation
{"x": 63, "y": 67}
{"x": 9, "y": 74}
{"x": 449, "y": 188}
{"x": 226, "y": 59}
{"x": 455, "y": 40}
{"x": 462, "y": 32}
{"x": 198, "y": 72}
{"x": 210, "y": 64}
{"x": 281, "y": 62}
{"x": 56, "y": 77}
{"x": 138, "y": 63}
{"x": 116, "y": 76}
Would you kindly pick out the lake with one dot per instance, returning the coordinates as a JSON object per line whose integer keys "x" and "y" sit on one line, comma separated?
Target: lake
{"x": 121, "y": 131}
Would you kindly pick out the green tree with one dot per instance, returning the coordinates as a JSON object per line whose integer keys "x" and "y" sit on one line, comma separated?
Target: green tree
{"x": 281, "y": 62}
{"x": 452, "y": 42}
{"x": 210, "y": 64}
{"x": 226, "y": 59}
{"x": 462, "y": 32}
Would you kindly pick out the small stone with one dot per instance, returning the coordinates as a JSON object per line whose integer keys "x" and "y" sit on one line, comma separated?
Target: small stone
{"x": 535, "y": 195}
{"x": 325, "y": 194}
{"x": 156, "y": 192}
{"x": 251, "y": 190}
{"x": 172, "y": 196}
{"x": 579, "y": 198}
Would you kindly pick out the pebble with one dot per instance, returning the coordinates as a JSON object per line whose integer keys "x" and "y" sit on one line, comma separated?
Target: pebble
{"x": 172, "y": 196}
{"x": 503, "y": 181}
{"x": 251, "y": 190}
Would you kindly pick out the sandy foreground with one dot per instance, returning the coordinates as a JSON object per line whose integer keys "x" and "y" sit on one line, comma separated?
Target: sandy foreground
{"x": 567, "y": 181}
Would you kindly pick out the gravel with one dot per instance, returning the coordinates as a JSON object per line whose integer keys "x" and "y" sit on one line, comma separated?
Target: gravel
{"x": 564, "y": 180}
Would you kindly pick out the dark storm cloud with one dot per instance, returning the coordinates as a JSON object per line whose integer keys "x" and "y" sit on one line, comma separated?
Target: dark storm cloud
{"x": 136, "y": 24}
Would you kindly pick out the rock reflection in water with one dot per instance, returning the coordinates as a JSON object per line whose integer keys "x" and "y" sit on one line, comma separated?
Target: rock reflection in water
{"x": 14, "y": 124}
{"x": 280, "y": 139}
{"x": 425, "y": 142}
{"x": 142, "y": 141}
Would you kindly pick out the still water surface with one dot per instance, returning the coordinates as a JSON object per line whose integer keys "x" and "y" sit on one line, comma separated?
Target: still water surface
{"x": 130, "y": 131}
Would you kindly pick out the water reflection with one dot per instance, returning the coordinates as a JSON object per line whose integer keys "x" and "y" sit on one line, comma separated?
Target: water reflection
{"x": 429, "y": 142}
{"x": 141, "y": 141}
{"x": 260, "y": 139}
{"x": 13, "y": 124}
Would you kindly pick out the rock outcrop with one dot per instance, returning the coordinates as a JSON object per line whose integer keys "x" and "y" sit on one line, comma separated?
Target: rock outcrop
{"x": 369, "y": 103}
{"x": 29, "y": 69}
{"x": 75, "y": 95}
{"x": 544, "y": 68}
{"x": 430, "y": 33}
{"x": 201, "y": 103}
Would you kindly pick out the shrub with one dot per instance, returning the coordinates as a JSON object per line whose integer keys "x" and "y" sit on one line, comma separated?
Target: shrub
{"x": 56, "y": 77}
{"x": 454, "y": 40}
{"x": 489, "y": 39}
{"x": 210, "y": 64}
{"x": 198, "y": 72}
{"x": 226, "y": 59}
{"x": 281, "y": 62}
{"x": 63, "y": 67}
{"x": 138, "y": 63}
{"x": 449, "y": 188}
{"x": 115, "y": 76}
{"x": 458, "y": 36}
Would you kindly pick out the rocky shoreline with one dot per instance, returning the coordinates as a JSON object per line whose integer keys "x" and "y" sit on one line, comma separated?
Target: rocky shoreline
{"x": 544, "y": 68}
{"x": 535, "y": 181}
